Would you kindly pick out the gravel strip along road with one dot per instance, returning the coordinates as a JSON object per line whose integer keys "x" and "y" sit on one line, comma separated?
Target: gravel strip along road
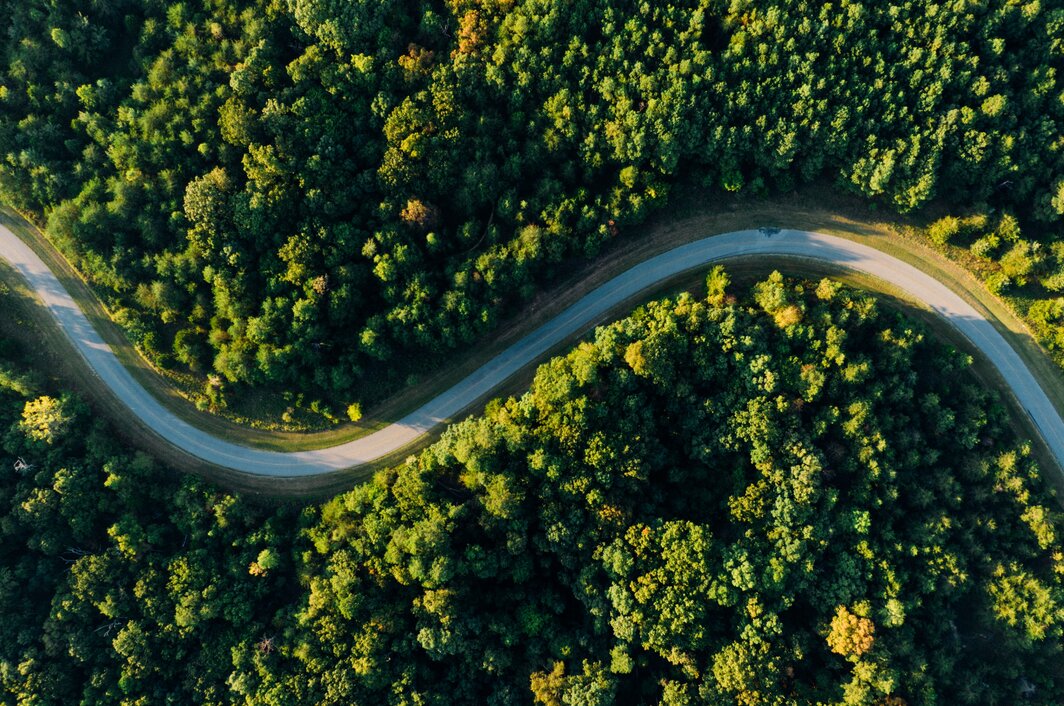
{"x": 576, "y": 318}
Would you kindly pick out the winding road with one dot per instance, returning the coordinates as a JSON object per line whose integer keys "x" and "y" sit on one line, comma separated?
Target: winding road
{"x": 573, "y": 320}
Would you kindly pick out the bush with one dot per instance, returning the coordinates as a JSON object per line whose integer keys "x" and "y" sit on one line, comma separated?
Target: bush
{"x": 998, "y": 282}
{"x": 1022, "y": 260}
{"x": 1008, "y": 228}
{"x": 44, "y": 419}
{"x": 1054, "y": 282}
{"x": 943, "y": 230}
{"x": 985, "y": 246}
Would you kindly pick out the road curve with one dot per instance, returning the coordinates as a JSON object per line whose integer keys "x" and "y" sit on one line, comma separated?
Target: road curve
{"x": 576, "y": 318}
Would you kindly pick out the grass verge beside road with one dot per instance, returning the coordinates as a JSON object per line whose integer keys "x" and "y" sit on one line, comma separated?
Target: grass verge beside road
{"x": 840, "y": 217}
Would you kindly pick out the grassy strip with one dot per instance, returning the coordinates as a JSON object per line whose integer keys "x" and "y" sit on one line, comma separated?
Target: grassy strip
{"x": 30, "y": 323}
{"x": 839, "y": 216}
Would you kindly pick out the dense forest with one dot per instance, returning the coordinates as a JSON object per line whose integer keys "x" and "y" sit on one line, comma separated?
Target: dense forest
{"x": 316, "y": 194}
{"x": 795, "y": 497}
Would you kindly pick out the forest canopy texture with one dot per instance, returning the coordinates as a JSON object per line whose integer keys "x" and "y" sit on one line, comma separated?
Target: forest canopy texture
{"x": 792, "y": 498}
{"x": 311, "y": 194}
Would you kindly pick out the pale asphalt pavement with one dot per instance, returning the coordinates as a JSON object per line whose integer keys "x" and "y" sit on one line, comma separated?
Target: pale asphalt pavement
{"x": 576, "y": 318}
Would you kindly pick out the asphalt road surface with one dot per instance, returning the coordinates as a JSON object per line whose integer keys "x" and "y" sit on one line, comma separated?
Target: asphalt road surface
{"x": 575, "y": 319}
